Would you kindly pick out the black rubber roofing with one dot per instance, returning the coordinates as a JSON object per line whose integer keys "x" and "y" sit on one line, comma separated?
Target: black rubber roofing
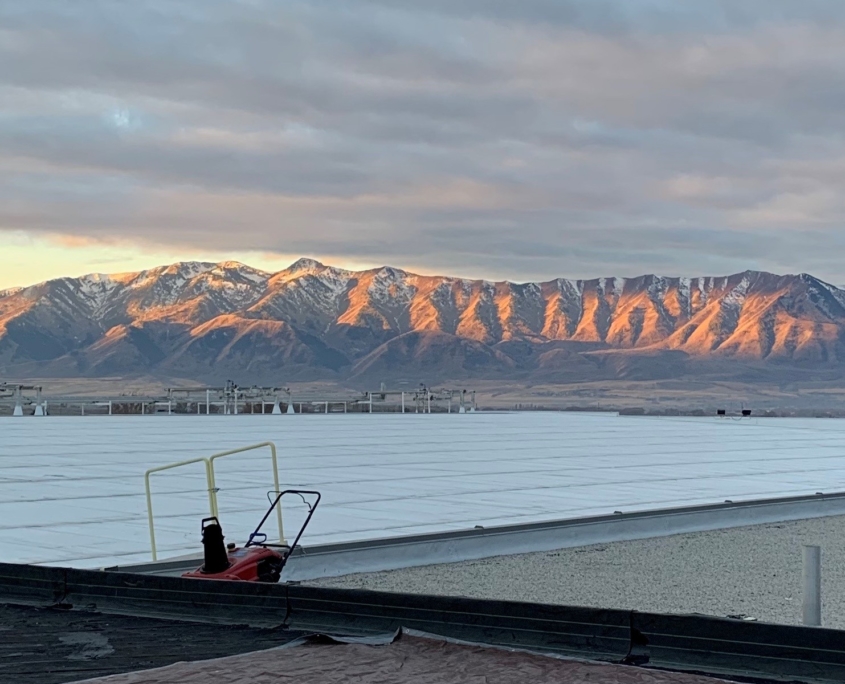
{"x": 187, "y": 619}
{"x": 49, "y": 645}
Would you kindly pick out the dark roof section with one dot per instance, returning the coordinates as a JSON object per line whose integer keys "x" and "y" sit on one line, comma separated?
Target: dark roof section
{"x": 676, "y": 642}
{"x": 52, "y": 645}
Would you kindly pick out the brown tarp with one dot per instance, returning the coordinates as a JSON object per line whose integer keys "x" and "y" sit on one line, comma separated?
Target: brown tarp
{"x": 409, "y": 659}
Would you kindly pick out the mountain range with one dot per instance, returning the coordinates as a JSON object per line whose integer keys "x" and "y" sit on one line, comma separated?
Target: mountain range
{"x": 311, "y": 321}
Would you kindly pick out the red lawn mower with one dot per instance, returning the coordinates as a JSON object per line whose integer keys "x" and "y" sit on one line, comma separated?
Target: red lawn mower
{"x": 258, "y": 560}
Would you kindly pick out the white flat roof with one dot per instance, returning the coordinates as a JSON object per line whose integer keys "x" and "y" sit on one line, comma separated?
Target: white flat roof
{"x": 72, "y": 488}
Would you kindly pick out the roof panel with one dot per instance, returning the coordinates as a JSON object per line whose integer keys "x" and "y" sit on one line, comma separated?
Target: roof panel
{"x": 72, "y": 491}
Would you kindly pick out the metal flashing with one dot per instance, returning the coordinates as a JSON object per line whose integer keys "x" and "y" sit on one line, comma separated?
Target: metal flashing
{"x": 333, "y": 560}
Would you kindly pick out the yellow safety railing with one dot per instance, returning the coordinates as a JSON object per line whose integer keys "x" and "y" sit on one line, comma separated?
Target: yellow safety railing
{"x": 212, "y": 497}
{"x": 276, "y": 489}
{"x": 212, "y": 485}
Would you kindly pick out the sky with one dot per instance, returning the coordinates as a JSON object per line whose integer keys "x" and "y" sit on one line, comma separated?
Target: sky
{"x": 481, "y": 138}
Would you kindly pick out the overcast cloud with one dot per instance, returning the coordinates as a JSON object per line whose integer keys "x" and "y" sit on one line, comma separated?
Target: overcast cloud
{"x": 483, "y": 137}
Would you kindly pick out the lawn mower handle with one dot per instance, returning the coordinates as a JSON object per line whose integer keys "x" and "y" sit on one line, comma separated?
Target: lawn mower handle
{"x": 311, "y": 509}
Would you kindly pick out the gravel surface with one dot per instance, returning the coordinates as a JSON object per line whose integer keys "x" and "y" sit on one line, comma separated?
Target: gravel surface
{"x": 753, "y": 571}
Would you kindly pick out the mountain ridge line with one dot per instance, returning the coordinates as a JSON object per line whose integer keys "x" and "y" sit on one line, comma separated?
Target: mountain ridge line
{"x": 315, "y": 321}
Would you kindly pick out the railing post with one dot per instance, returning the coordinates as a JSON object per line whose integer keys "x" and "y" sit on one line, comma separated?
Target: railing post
{"x": 278, "y": 490}
{"x": 150, "y": 515}
{"x": 212, "y": 488}
{"x": 212, "y": 493}
{"x": 812, "y": 578}
{"x": 213, "y": 479}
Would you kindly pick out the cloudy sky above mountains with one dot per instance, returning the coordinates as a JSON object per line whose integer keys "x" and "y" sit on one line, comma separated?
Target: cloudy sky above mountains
{"x": 488, "y": 138}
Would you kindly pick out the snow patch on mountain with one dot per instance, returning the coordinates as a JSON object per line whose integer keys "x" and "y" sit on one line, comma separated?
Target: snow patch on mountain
{"x": 242, "y": 271}
{"x": 737, "y": 295}
{"x": 685, "y": 286}
{"x": 95, "y": 289}
{"x": 392, "y": 288}
{"x": 618, "y": 287}
{"x": 657, "y": 288}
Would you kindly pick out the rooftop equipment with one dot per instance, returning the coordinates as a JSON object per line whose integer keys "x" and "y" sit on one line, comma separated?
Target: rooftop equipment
{"x": 258, "y": 560}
